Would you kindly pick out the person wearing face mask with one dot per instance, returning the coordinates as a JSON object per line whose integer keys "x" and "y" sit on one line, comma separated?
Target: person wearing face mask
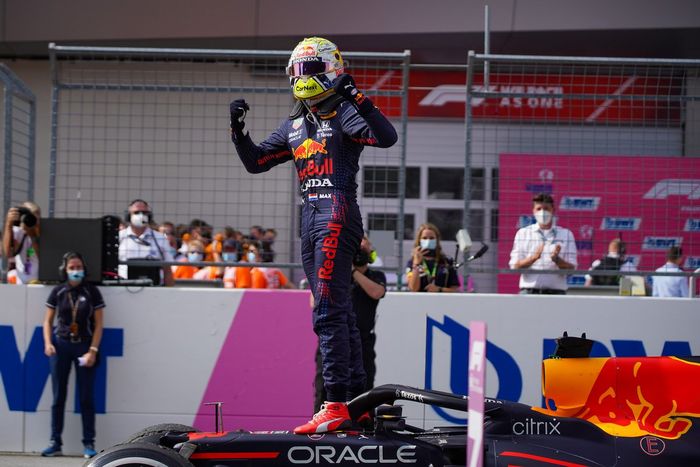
{"x": 429, "y": 270}
{"x": 237, "y": 277}
{"x": 543, "y": 246}
{"x": 139, "y": 241}
{"x": 78, "y": 308}
{"x": 195, "y": 254}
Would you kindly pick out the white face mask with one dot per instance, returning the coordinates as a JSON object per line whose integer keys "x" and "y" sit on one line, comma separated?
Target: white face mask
{"x": 139, "y": 220}
{"x": 251, "y": 257}
{"x": 543, "y": 217}
{"x": 428, "y": 243}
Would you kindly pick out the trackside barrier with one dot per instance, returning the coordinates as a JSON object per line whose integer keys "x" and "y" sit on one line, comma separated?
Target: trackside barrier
{"x": 165, "y": 352}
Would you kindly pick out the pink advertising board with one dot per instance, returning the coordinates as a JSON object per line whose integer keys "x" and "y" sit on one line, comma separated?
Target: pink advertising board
{"x": 650, "y": 202}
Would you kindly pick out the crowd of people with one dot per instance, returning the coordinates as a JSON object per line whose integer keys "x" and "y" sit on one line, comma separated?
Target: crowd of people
{"x": 544, "y": 245}
{"x": 191, "y": 244}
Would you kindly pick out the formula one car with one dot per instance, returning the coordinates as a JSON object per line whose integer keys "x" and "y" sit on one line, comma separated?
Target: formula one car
{"x": 600, "y": 412}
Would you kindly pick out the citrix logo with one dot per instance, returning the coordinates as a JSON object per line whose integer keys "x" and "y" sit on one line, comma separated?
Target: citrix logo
{"x": 533, "y": 427}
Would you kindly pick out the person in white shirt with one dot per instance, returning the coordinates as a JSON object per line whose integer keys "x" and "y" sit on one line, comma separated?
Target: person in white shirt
{"x": 671, "y": 286}
{"x": 20, "y": 242}
{"x": 543, "y": 246}
{"x": 139, "y": 241}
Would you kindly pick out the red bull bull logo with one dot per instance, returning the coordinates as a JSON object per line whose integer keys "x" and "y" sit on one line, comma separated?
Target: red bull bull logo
{"x": 309, "y": 148}
{"x": 630, "y": 396}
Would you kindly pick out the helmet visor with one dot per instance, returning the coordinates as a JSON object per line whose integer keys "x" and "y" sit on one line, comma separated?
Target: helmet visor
{"x": 309, "y": 68}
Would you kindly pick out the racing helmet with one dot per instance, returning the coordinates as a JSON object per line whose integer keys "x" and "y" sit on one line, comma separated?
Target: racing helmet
{"x": 314, "y": 65}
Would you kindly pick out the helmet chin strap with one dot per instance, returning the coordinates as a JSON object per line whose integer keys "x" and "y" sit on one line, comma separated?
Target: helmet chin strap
{"x": 314, "y": 119}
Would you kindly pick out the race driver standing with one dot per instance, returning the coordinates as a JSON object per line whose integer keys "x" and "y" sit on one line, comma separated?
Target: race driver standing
{"x": 325, "y": 133}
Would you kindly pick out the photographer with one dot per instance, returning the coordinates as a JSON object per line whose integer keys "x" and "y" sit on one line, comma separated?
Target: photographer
{"x": 429, "y": 270}
{"x": 20, "y": 242}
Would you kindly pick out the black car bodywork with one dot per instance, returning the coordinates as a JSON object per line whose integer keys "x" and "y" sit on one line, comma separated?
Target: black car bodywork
{"x": 623, "y": 412}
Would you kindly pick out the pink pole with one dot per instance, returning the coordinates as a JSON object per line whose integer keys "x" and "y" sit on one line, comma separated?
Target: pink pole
{"x": 477, "y": 385}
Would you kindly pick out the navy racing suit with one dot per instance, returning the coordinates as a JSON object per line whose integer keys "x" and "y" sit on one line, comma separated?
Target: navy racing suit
{"x": 327, "y": 160}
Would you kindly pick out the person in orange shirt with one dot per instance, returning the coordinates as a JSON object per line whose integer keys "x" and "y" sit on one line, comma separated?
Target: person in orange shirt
{"x": 195, "y": 253}
{"x": 266, "y": 278}
{"x": 238, "y": 277}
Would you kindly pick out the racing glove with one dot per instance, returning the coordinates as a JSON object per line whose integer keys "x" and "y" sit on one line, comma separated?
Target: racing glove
{"x": 238, "y": 109}
{"x": 345, "y": 86}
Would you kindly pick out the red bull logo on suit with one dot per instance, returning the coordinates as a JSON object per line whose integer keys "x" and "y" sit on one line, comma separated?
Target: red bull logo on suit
{"x": 309, "y": 148}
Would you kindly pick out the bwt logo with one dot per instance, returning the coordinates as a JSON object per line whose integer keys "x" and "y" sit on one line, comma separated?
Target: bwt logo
{"x": 660, "y": 243}
{"x": 621, "y": 223}
{"x": 579, "y": 203}
{"x": 24, "y": 381}
{"x": 692, "y": 263}
{"x": 692, "y": 225}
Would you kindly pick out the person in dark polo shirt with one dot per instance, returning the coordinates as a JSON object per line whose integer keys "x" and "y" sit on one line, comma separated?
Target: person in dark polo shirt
{"x": 78, "y": 308}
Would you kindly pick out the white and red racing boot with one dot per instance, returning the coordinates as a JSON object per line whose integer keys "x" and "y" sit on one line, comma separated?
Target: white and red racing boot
{"x": 333, "y": 416}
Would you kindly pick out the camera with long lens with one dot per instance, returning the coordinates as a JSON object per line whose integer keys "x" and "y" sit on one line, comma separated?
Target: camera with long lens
{"x": 25, "y": 217}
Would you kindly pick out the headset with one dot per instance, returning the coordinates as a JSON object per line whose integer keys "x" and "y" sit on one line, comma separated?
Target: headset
{"x": 62, "y": 274}
{"x": 127, "y": 214}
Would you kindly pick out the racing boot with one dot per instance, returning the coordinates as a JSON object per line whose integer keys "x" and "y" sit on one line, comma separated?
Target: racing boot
{"x": 333, "y": 416}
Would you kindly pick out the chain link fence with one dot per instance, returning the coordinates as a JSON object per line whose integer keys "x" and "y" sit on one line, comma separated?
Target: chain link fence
{"x": 18, "y": 142}
{"x": 615, "y": 141}
{"x": 153, "y": 124}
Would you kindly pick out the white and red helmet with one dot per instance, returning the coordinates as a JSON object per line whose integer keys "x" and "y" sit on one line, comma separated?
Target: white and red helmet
{"x": 314, "y": 65}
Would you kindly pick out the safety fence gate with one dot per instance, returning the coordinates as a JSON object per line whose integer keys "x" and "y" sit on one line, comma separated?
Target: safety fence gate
{"x": 18, "y": 142}
{"x": 154, "y": 124}
{"x": 615, "y": 141}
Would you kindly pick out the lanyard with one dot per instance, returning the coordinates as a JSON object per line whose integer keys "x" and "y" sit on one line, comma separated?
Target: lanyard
{"x": 74, "y": 312}
{"x": 544, "y": 237}
{"x": 431, "y": 274}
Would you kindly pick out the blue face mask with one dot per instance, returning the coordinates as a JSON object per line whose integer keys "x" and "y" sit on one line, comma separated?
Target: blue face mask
{"x": 194, "y": 257}
{"x": 428, "y": 243}
{"x": 76, "y": 275}
{"x": 229, "y": 256}
{"x": 251, "y": 257}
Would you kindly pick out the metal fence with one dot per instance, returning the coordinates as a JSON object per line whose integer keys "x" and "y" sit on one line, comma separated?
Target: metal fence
{"x": 615, "y": 141}
{"x": 18, "y": 142}
{"x": 153, "y": 124}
